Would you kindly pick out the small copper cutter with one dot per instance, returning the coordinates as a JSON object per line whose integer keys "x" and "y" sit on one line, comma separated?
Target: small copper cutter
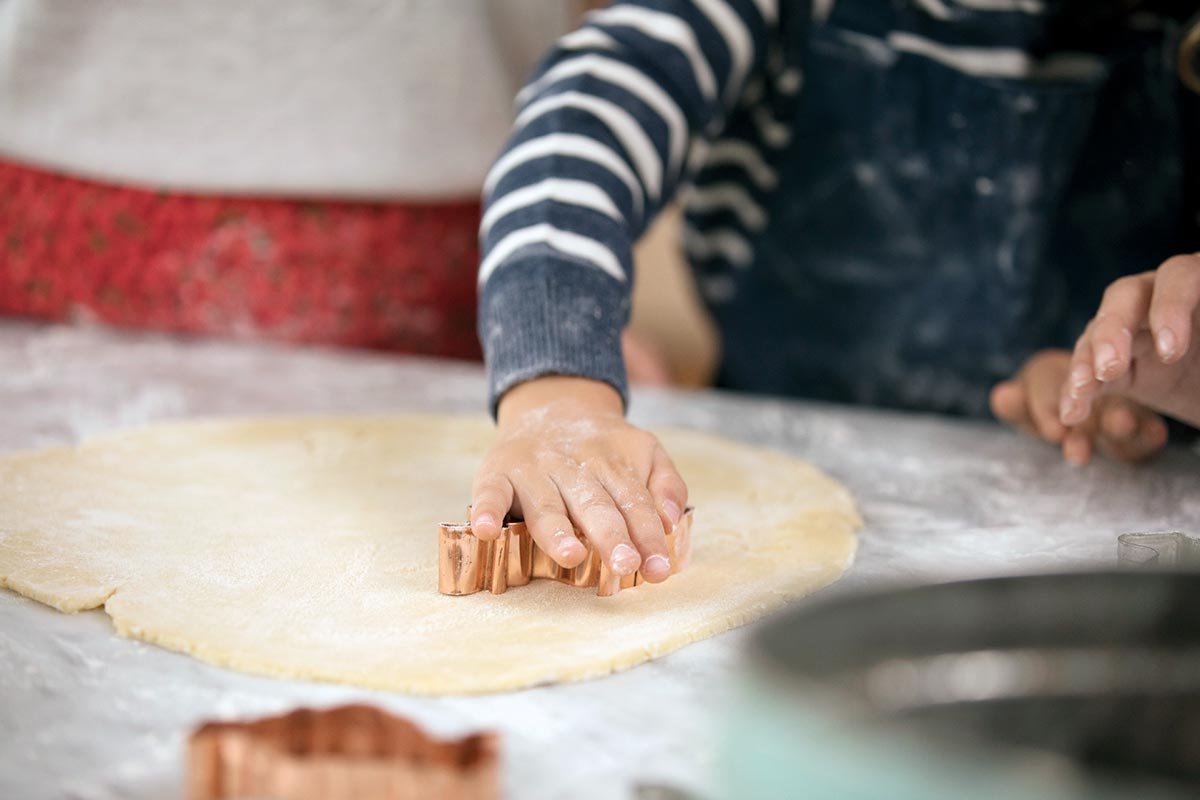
{"x": 467, "y": 564}
{"x": 1172, "y": 549}
{"x": 348, "y": 753}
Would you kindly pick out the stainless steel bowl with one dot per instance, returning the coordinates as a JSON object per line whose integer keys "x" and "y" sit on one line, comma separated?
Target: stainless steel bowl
{"x": 1056, "y": 686}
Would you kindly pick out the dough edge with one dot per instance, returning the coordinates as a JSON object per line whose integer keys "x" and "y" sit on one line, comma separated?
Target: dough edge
{"x": 838, "y": 531}
{"x": 481, "y": 680}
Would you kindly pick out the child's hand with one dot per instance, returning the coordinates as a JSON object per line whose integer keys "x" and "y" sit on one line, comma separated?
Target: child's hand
{"x": 1142, "y": 344}
{"x": 566, "y": 458}
{"x": 1120, "y": 427}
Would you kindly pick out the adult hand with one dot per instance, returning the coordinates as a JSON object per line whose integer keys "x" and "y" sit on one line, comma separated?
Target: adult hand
{"x": 1142, "y": 344}
{"x": 1118, "y": 426}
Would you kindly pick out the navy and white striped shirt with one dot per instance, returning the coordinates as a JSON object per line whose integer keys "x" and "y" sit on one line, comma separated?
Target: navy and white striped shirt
{"x": 654, "y": 98}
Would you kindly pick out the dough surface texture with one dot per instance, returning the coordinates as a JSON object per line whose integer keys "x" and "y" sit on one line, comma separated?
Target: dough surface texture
{"x": 306, "y": 548}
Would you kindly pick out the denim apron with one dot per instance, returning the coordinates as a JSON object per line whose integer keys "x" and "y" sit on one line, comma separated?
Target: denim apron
{"x": 931, "y": 228}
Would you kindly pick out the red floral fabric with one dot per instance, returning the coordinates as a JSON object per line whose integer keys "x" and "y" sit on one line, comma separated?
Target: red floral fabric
{"x": 397, "y": 276}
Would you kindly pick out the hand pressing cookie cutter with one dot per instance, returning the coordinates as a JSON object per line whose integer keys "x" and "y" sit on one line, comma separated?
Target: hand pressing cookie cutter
{"x": 348, "y": 753}
{"x": 467, "y": 564}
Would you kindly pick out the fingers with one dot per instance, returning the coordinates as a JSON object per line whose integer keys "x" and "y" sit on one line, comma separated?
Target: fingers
{"x": 1173, "y": 306}
{"x": 1031, "y": 400}
{"x": 491, "y": 499}
{"x": 596, "y": 514}
{"x": 643, "y": 523}
{"x": 1119, "y": 421}
{"x": 612, "y": 507}
{"x": 1119, "y": 427}
{"x": 1009, "y": 405}
{"x": 1081, "y": 387}
{"x": 581, "y": 478}
{"x": 1128, "y": 431}
{"x": 1042, "y": 387}
{"x": 667, "y": 488}
{"x": 545, "y": 515}
{"x": 1140, "y": 317}
{"x": 1077, "y": 447}
{"x": 540, "y": 505}
{"x": 1149, "y": 319}
{"x": 1122, "y": 313}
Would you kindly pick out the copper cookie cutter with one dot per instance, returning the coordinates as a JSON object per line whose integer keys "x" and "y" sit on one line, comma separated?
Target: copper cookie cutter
{"x": 348, "y": 753}
{"x": 467, "y": 564}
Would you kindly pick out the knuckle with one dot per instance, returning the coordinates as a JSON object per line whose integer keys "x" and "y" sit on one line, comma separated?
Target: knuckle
{"x": 594, "y": 464}
{"x": 643, "y": 440}
{"x": 664, "y": 478}
{"x": 636, "y": 492}
{"x": 596, "y": 506}
{"x": 1120, "y": 288}
{"x": 638, "y": 504}
{"x": 605, "y": 526}
{"x": 617, "y": 474}
{"x": 648, "y": 523}
{"x": 625, "y": 498}
{"x": 679, "y": 487}
{"x": 1179, "y": 266}
{"x": 670, "y": 483}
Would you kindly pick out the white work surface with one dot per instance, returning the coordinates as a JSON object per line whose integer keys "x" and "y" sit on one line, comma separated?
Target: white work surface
{"x": 85, "y": 714}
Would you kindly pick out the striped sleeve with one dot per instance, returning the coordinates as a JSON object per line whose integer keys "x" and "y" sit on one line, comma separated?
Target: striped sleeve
{"x": 600, "y": 143}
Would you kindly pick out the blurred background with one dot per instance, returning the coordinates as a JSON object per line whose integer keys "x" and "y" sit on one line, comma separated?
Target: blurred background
{"x": 307, "y": 173}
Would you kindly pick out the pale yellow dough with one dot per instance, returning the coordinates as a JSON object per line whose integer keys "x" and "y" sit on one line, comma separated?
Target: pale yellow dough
{"x": 307, "y": 548}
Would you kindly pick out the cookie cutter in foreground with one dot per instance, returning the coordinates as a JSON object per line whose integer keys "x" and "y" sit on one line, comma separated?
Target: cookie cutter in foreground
{"x": 467, "y": 564}
{"x": 352, "y": 752}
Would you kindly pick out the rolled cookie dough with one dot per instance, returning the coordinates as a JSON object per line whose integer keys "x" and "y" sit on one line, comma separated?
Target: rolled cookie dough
{"x": 307, "y": 548}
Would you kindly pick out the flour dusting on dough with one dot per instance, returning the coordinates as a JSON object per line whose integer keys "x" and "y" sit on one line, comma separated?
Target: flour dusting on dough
{"x": 306, "y": 548}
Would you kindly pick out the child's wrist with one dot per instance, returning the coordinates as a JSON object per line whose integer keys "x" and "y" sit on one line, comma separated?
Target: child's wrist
{"x": 578, "y": 395}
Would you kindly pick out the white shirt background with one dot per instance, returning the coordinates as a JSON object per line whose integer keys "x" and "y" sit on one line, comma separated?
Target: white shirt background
{"x": 327, "y": 98}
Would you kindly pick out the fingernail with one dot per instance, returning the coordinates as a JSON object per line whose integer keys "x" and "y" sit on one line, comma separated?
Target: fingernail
{"x": 486, "y": 521}
{"x": 625, "y": 560}
{"x": 568, "y": 546}
{"x": 673, "y": 512}
{"x": 1075, "y": 461}
{"x": 1106, "y": 359}
{"x": 1167, "y": 343}
{"x": 1080, "y": 376}
{"x": 657, "y": 565}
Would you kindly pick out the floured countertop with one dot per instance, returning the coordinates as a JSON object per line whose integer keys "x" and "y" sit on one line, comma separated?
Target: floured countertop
{"x": 89, "y": 715}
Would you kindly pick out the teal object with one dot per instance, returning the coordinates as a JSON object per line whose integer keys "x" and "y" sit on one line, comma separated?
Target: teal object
{"x": 793, "y": 751}
{"x": 1058, "y": 687}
